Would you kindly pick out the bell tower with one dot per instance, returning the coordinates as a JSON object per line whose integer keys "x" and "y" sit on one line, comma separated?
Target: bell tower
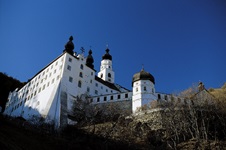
{"x": 143, "y": 90}
{"x": 106, "y": 72}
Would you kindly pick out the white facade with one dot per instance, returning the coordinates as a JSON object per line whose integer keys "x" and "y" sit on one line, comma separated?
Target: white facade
{"x": 143, "y": 94}
{"x": 51, "y": 92}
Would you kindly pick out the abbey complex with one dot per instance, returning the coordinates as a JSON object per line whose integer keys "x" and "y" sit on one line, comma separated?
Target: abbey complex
{"x": 51, "y": 92}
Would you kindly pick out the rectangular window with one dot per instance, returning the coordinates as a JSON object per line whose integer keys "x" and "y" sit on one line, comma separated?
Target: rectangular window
{"x": 69, "y": 67}
{"x": 52, "y": 80}
{"x": 54, "y": 71}
{"x": 112, "y": 97}
{"x": 70, "y": 79}
{"x": 98, "y": 99}
{"x": 43, "y": 88}
{"x": 58, "y": 77}
{"x": 47, "y": 84}
{"x": 105, "y": 98}
{"x": 96, "y": 92}
{"x": 70, "y": 60}
{"x": 126, "y": 95}
{"x": 119, "y": 96}
{"x": 96, "y": 84}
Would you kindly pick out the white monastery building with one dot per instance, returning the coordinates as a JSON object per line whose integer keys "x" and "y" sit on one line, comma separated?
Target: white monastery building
{"x": 51, "y": 92}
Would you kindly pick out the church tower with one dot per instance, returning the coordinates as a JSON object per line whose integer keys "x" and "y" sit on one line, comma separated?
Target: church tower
{"x": 143, "y": 90}
{"x": 106, "y": 73}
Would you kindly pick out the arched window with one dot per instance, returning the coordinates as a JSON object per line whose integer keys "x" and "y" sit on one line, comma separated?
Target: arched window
{"x": 109, "y": 75}
{"x": 80, "y": 84}
{"x": 81, "y": 67}
{"x": 80, "y": 74}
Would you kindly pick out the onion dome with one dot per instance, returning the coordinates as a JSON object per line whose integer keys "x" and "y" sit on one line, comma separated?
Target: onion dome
{"x": 90, "y": 60}
{"x": 107, "y": 55}
{"x": 143, "y": 75}
{"x": 69, "y": 46}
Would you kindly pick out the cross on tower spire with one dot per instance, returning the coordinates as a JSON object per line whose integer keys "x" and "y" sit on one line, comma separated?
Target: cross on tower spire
{"x": 82, "y": 50}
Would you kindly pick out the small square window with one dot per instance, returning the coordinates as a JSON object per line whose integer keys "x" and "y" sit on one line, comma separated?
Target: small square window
{"x": 58, "y": 77}
{"x": 96, "y": 92}
{"x": 70, "y": 79}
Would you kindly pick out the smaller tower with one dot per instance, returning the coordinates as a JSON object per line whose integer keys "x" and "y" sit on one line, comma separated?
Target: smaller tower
{"x": 90, "y": 60}
{"x": 106, "y": 72}
{"x": 143, "y": 90}
{"x": 69, "y": 47}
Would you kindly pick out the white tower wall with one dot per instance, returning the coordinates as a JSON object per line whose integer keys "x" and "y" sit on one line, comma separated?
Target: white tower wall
{"x": 143, "y": 94}
{"x": 106, "y": 72}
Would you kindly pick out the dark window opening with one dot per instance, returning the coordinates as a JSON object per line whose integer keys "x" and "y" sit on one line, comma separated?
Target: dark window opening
{"x": 79, "y": 84}
{"x": 109, "y": 75}
{"x": 159, "y": 96}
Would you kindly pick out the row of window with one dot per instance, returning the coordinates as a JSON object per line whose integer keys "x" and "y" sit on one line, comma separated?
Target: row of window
{"x": 109, "y": 75}
{"x": 145, "y": 89}
{"x": 32, "y": 85}
{"x": 80, "y": 73}
{"x": 111, "y": 97}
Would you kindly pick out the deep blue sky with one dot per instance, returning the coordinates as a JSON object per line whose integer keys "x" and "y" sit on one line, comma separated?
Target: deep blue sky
{"x": 179, "y": 42}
